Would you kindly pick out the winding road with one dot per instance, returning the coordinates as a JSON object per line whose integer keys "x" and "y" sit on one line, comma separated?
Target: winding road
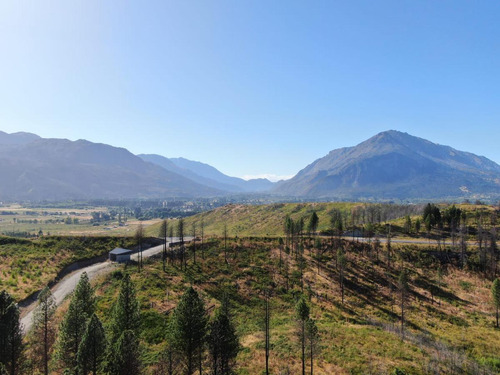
{"x": 66, "y": 286}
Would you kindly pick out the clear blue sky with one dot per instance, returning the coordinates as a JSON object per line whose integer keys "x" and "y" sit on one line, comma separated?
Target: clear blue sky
{"x": 251, "y": 87}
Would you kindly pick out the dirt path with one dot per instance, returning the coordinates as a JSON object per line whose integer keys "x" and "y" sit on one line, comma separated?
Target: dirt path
{"x": 66, "y": 286}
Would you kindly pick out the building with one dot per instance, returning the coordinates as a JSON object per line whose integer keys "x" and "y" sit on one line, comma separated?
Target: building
{"x": 120, "y": 255}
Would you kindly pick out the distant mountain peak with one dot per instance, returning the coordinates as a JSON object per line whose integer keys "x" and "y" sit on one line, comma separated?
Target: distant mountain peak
{"x": 18, "y": 138}
{"x": 396, "y": 165}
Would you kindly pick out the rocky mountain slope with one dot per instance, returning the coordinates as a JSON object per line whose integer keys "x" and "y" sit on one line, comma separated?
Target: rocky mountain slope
{"x": 396, "y": 165}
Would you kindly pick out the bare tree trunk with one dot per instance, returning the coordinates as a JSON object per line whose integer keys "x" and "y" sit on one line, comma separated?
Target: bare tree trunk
{"x": 303, "y": 348}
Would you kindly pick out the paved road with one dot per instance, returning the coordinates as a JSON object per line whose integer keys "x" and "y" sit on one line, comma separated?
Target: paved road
{"x": 66, "y": 286}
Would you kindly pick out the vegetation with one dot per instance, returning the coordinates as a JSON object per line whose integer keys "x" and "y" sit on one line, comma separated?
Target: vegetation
{"x": 43, "y": 334}
{"x": 26, "y": 266}
{"x": 303, "y": 303}
{"x": 344, "y": 217}
{"x": 11, "y": 345}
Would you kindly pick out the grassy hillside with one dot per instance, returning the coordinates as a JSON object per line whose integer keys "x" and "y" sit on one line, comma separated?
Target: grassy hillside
{"x": 450, "y": 330}
{"x": 267, "y": 220}
{"x": 260, "y": 220}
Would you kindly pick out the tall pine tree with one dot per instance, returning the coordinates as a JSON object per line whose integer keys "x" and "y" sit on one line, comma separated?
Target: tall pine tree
{"x": 43, "y": 334}
{"x": 11, "y": 345}
{"x": 73, "y": 326}
{"x": 126, "y": 313}
{"x": 302, "y": 313}
{"x": 312, "y": 340}
{"x": 223, "y": 344}
{"x": 188, "y": 328}
{"x": 126, "y": 355}
{"x": 92, "y": 350}
{"x": 495, "y": 293}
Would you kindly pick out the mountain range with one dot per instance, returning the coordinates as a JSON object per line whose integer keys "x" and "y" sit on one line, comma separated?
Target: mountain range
{"x": 34, "y": 168}
{"x": 396, "y": 165}
{"x": 390, "y": 165}
{"x": 207, "y": 175}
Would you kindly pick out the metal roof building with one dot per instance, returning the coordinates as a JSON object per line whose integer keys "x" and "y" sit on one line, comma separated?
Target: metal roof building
{"x": 120, "y": 255}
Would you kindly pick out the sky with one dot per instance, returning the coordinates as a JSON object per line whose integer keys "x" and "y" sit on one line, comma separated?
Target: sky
{"x": 254, "y": 88}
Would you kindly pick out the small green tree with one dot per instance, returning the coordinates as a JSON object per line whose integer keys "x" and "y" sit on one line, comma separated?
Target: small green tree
{"x": 126, "y": 313}
{"x": 495, "y": 293}
{"x": 312, "y": 226}
{"x": 126, "y": 355}
{"x": 11, "y": 338}
{"x": 407, "y": 226}
{"x": 302, "y": 313}
{"x": 188, "y": 328}
{"x": 85, "y": 293}
{"x": 92, "y": 350}
{"x": 223, "y": 344}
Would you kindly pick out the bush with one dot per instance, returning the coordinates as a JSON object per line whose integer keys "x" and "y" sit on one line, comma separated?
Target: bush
{"x": 117, "y": 274}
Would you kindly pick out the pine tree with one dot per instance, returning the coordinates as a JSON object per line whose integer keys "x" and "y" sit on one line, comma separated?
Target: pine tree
{"x": 85, "y": 293}
{"x": 302, "y": 313}
{"x": 11, "y": 345}
{"x": 43, "y": 329}
{"x": 126, "y": 355}
{"x": 223, "y": 344}
{"x": 312, "y": 340}
{"x": 73, "y": 326}
{"x": 495, "y": 292}
{"x": 92, "y": 350}
{"x": 312, "y": 226}
{"x": 70, "y": 334}
{"x": 126, "y": 313}
{"x": 188, "y": 328}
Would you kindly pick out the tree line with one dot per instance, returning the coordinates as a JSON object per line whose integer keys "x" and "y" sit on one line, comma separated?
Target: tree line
{"x": 81, "y": 345}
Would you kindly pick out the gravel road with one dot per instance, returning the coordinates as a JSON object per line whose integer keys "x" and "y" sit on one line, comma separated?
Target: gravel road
{"x": 66, "y": 286}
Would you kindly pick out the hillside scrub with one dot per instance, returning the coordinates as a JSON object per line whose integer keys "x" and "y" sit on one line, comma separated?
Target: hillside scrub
{"x": 367, "y": 218}
{"x": 360, "y": 336}
{"x": 27, "y": 266}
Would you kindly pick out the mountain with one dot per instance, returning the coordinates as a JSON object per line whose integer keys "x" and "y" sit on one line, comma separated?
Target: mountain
{"x": 207, "y": 175}
{"x": 19, "y": 138}
{"x": 396, "y": 165}
{"x": 34, "y": 168}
